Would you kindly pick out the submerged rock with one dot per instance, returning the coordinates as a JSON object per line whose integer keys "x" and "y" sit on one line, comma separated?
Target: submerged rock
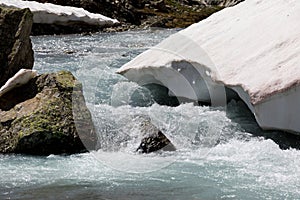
{"x": 251, "y": 48}
{"x": 153, "y": 139}
{"x": 15, "y": 44}
{"x": 46, "y": 116}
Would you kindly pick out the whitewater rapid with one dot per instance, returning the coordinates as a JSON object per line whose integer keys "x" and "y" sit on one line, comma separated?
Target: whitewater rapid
{"x": 222, "y": 153}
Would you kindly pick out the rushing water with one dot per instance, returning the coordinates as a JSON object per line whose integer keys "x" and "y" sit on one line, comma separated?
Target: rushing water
{"x": 220, "y": 153}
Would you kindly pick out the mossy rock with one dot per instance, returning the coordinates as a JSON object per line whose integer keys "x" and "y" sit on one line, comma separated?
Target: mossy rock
{"x": 52, "y": 120}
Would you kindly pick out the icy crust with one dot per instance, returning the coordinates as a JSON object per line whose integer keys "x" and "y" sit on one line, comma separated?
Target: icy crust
{"x": 47, "y": 13}
{"x": 252, "y": 48}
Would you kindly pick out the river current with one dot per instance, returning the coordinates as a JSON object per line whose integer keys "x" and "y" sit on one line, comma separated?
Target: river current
{"x": 221, "y": 153}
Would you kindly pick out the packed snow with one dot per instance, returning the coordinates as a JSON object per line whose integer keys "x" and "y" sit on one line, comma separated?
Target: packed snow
{"x": 47, "y": 13}
{"x": 252, "y": 48}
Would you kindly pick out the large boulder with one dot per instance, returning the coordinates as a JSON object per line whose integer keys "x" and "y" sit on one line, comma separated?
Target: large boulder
{"x": 46, "y": 116}
{"x": 15, "y": 44}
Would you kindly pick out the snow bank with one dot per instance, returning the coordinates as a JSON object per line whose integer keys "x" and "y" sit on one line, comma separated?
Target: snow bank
{"x": 47, "y": 13}
{"x": 252, "y": 48}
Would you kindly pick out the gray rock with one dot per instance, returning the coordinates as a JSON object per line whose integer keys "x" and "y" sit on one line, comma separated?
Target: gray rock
{"x": 15, "y": 44}
{"x": 46, "y": 116}
{"x": 153, "y": 139}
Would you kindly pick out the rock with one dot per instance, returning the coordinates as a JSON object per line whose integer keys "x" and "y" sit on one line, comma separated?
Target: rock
{"x": 153, "y": 139}
{"x": 15, "y": 44}
{"x": 46, "y": 116}
{"x": 251, "y": 48}
{"x": 61, "y": 19}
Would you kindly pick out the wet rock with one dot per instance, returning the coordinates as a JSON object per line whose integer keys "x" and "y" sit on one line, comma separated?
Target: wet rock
{"x": 153, "y": 139}
{"x": 15, "y": 44}
{"x": 46, "y": 116}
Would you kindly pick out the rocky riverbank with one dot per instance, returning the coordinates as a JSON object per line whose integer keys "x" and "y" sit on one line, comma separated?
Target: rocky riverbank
{"x": 142, "y": 14}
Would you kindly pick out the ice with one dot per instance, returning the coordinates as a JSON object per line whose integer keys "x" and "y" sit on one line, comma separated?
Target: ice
{"x": 252, "y": 48}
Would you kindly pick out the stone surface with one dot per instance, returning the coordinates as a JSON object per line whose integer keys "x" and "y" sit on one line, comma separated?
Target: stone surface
{"x": 15, "y": 44}
{"x": 251, "y": 48}
{"x": 46, "y": 116}
{"x": 153, "y": 139}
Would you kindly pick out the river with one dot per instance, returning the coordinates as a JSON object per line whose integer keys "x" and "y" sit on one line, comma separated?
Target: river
{"x": 221, "y": 153}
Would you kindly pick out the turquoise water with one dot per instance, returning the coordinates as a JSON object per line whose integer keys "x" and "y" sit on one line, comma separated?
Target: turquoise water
{"x": 221, "y": 154}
